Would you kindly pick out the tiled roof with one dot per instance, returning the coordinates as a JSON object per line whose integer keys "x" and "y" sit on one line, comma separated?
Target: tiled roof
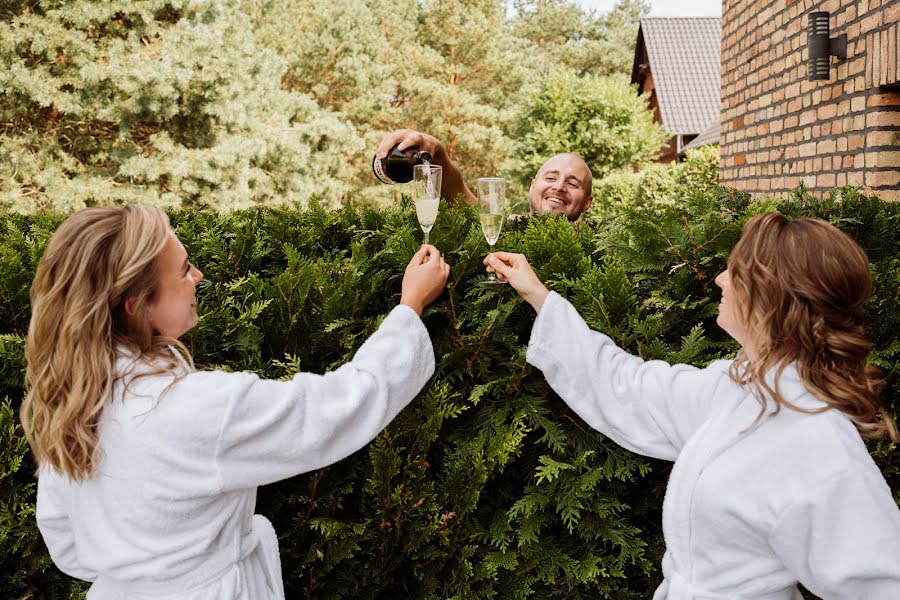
{"x": 709, "y": 136}
{"x": 683, "y": 56}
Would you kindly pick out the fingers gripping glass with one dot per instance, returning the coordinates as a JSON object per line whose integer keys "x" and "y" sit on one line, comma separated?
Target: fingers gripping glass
{"x": 492, "y": 208}
{"x": 426, "y": 194}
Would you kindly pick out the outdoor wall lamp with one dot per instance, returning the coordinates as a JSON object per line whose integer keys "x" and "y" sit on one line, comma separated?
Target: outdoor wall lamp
{"x": 820, "y": 47}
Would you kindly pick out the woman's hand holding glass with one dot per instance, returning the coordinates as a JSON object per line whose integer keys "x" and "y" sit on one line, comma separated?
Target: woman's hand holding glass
{"x": 514, "y": 268}
{"x": 424, "y": 279}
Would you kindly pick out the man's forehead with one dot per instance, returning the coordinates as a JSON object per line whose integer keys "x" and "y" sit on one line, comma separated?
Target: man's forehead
{"x": 569, "y": 164}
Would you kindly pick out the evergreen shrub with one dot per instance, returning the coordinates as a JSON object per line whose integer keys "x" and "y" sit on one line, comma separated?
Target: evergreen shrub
{"x": 487, "y": 485}
{"x": 658, "y": 183}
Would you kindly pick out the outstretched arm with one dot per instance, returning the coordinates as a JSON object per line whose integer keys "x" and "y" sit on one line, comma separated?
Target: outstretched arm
{"x": 649, "y": 407}
{"x": 452, "y": 184}
{"x": 272, "y": 430}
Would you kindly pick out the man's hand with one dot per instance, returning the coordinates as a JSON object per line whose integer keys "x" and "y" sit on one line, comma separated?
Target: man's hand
{"x": 424, "y": 279}
{"x": 452, "y": 184}
{"x": 515, "y": 269}
{"x": 409, "y": 138}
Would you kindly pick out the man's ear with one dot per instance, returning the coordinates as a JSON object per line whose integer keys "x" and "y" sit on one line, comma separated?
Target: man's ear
{"x": 587, "y": 203}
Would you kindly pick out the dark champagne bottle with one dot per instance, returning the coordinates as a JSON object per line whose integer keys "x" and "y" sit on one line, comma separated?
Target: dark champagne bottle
{"x": 397, "y": 166}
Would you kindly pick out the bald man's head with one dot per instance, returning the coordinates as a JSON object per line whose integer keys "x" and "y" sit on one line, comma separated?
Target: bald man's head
{"x": 562, "y": 186}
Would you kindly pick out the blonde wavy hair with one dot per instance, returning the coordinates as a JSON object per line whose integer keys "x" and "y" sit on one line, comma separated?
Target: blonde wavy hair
{"x": 801, "y": 287}
{"x": 96, "y": 259}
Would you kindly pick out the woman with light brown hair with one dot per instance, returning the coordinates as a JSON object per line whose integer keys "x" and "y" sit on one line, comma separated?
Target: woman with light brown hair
{"x": 772, "y": 484}
{"x": 148, "y": 468}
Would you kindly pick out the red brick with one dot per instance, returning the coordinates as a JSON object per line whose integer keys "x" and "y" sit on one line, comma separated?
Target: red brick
{"x": 825, "y": 180}
{"x": 870, "y": 59}
{"x": 855, "y": 142}
{"x": 887, "y": 159}
{"x": 873, "y": 21}
{"x": 887, "y": 178}
{"x": 889, "y": 195}
{"x": 828, "y": 111}
{"x": 807, "y": 149}
{"x": 883, "y": 138}
{"x": 886, "y": 99}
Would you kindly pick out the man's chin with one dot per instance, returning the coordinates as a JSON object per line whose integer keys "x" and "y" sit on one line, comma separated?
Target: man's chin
{"x": 553, "y": 208}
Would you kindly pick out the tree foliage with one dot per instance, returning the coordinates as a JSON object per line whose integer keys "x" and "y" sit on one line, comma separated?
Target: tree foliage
{"x": 580, "y": 40}
{"x": 657, "y": 183}
{"x": 231, "y": 103}
{"x": 600, "y": 119}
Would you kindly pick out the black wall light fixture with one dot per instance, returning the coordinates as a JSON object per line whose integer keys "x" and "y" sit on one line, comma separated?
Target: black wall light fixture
{"x": 820, "y": 47}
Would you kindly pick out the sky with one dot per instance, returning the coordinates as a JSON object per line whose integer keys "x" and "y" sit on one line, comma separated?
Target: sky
{"x": 666, "y": 8}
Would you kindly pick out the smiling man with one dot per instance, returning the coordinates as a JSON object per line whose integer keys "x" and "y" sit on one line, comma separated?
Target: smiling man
{"x": 562, "y": 185}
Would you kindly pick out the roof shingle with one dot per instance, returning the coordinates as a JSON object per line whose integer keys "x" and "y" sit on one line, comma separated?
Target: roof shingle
{"x": 683, "y": 53}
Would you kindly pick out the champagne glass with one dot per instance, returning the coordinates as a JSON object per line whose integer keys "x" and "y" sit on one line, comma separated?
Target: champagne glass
{"x": 492, "y": 206}
{"x": 426, "y": 195}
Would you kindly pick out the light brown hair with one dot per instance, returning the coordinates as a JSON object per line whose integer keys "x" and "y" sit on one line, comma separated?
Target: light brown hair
{"x": 96, "y": 259}
{"x": 801, "y": 287}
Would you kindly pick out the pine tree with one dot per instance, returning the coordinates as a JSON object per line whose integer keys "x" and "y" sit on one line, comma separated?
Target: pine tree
{"x": 566, "y": 35}
{"x": 155, "y": 101}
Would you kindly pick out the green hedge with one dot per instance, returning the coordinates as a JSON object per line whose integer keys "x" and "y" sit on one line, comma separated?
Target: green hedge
{"x": 487, "y": 486}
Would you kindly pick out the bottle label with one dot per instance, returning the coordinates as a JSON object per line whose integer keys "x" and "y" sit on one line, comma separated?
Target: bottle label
{"x": 379, "y": 171}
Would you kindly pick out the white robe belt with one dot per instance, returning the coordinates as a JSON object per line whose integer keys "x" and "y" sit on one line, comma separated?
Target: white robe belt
{"x": 676, "y": 587}
{"x": 261, "y": 536}
{"x": 681, "y": 589}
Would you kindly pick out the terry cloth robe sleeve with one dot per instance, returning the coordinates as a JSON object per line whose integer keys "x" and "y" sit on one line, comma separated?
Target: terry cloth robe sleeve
{"x": 53, "y": 523}
{"x": 843, "y": 541}
{"x": 648, "y": 407}
{"x": 272, "y": 430}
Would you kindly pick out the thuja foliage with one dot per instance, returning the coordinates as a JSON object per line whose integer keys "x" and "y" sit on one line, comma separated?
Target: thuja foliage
{"x": 487, "y": 485}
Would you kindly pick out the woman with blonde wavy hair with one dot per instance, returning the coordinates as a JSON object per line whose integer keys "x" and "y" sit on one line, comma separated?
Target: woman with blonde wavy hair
{"x": 772, "y": 484}
{"x": 148, "y": 469}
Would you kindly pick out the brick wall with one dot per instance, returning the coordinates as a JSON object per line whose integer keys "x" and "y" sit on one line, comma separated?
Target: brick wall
{"x": 779, "y": 130}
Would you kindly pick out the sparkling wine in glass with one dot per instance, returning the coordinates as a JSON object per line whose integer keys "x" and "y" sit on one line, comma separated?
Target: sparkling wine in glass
{"x": 492, "y": 209}
{"x": 426, "y": 195}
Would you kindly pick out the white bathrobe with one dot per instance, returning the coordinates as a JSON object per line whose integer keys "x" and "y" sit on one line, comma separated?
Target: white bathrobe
{"x": 169, "y": 513}
{"x": 749, "y": 511}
